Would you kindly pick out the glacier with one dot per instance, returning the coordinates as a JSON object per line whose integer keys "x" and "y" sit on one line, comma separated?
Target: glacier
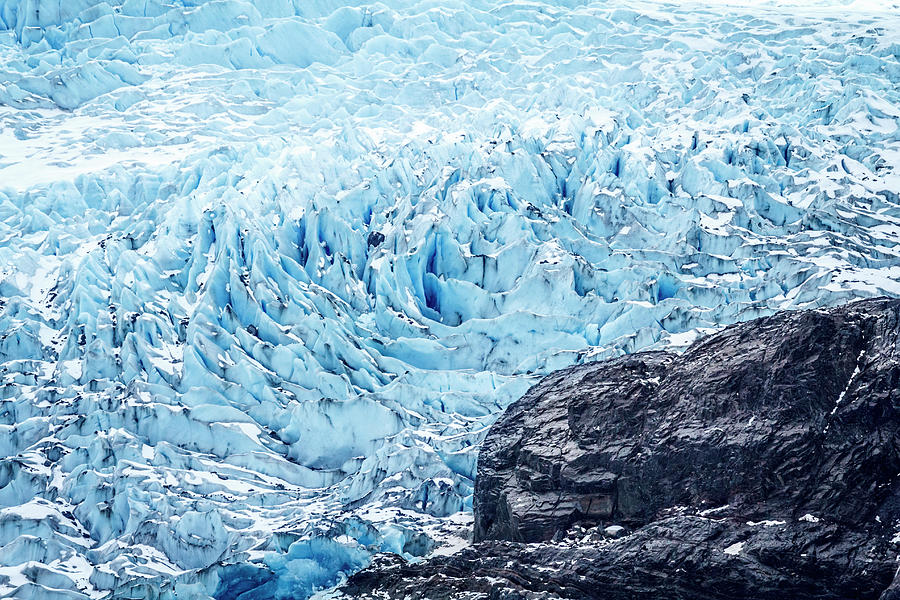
{"x": 269, "y": 270}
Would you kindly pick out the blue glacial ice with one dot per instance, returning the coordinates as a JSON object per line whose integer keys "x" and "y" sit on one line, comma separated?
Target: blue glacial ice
{"x": 269, "y": 269}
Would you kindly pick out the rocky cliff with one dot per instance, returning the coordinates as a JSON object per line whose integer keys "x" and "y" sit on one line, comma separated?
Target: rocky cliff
{"x": 762, "y": 462}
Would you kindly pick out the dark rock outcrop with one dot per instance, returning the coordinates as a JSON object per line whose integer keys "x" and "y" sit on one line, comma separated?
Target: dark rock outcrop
{"x": 763, "y": 462}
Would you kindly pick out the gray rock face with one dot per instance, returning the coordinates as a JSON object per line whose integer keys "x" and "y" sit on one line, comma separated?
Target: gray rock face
{"x": 764, "y": 460}
{"x": 782, "y": 416}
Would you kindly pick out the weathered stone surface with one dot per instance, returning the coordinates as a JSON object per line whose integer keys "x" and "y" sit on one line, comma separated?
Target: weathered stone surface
{"x": 763, "y": 462}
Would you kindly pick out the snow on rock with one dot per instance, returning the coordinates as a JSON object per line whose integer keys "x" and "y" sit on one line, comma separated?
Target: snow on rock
{"x": 734, "y": 549}
{"x": 268, "y": 270}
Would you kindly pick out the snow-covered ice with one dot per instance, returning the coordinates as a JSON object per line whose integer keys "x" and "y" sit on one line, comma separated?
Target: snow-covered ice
{"x": 269, "y": 269}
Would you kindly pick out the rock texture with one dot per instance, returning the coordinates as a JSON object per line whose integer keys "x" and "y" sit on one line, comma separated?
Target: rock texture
{"x": 762, "y": 462}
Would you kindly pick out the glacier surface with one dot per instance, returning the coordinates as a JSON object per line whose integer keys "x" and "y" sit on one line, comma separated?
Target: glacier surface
{"x": 269, "y": 269}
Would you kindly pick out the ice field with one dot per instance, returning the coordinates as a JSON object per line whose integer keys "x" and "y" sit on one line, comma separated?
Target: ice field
{"x": 269, "y": 269}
